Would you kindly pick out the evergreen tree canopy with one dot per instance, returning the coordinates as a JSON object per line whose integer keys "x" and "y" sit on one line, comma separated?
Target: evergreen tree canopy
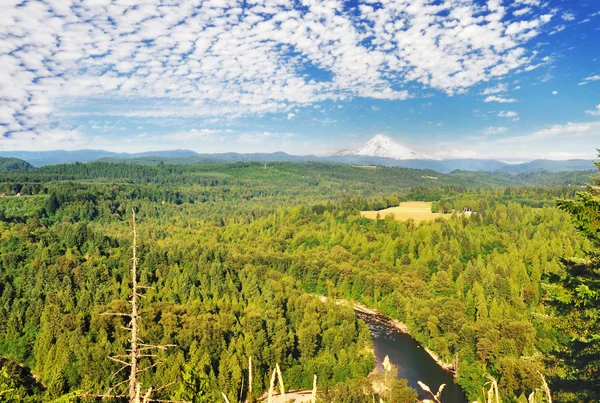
{"x": 576, "y": 296}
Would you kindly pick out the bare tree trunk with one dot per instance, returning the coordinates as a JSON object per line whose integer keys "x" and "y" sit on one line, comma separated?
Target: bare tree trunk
{"x": 281, "y": 385}
{"x": 249, "y": 376}
{"x": 137, "y": 347}
{"x": 133, "y": 385}
{"x": 271, "y": 386}
{"x": 136, "y": 395}
{"x": 456, "y": 366}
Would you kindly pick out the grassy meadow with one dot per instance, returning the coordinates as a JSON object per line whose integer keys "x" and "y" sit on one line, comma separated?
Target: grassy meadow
{"x": 417, "y": 210}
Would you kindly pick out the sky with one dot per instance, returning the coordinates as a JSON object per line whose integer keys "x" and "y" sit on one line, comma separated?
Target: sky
{"x": 511, "y": 80}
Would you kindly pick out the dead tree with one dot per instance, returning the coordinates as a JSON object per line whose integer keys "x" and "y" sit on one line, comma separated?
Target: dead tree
{"x": 133, "y": 384}
{"x": 138, "y": 349}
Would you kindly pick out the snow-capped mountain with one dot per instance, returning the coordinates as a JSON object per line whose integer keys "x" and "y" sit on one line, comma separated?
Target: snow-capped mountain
{"x": 383, "y": 146}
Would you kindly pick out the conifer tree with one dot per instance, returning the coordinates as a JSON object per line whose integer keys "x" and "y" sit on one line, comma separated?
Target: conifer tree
{"x": 576, "y": 297}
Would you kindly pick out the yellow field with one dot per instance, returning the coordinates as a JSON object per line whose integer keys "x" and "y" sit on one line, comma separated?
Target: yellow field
{"x": 418, "y": 211}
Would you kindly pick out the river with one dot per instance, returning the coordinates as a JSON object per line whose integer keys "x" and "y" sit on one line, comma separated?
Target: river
{"x": 412, "y": 360}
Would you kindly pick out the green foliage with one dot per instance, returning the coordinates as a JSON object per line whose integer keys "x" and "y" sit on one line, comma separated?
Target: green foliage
{"x": 362, "y": 390}
{"x": 13, "y": 164}
{"x": 17, "y": 383}
{"x": 402, "y": 393}
{"x": 232, "y": 253}
{"x": 575, "y": 294}
{"x": 355, "y": 391}
{"x": 8, "y": 390}
{"x": 194, "y": 387}
{"x": 58, "y": 276}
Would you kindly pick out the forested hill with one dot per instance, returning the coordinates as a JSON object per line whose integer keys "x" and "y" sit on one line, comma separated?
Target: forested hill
{"x": 13, "y": 164}
{"x": 309, "y": 174}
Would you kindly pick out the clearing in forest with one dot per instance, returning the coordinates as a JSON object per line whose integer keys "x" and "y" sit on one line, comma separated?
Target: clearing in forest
{"x": 418, "y": 211}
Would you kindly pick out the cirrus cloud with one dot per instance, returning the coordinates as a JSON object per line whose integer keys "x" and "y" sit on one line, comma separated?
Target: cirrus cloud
{"x": 494, "y": 130}
{"x": 587, "y": 80}
{"x": 594, "y": 112}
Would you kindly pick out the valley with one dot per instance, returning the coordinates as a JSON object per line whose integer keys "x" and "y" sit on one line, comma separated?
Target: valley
{"x": 235, "y": 252}
{"x": 366, "y": 201}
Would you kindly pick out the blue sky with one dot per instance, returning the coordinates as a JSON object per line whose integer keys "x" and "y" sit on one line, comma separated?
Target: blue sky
{"x": 512, "y": 80}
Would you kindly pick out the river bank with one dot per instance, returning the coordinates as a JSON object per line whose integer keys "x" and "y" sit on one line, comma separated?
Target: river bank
{"x": 412, "y": 361}
{"x": 377, "y": 316}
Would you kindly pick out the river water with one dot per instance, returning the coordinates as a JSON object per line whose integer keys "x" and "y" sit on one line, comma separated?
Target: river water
{"x": 412, "y": 360}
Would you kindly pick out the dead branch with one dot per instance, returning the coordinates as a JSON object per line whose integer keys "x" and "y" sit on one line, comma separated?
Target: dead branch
{"x": 114, "y": 314}
{"x": 137, "y": 345}
{"x": 119, "y": 361}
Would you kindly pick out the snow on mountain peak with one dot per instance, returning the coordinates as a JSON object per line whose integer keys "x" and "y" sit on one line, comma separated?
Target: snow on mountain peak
{"x": 383, "y": 146}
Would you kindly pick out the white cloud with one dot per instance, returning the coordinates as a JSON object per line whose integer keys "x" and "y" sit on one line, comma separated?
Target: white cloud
{"x": 568, "y": 16}
{"x": 508, "y": 114}
{"x": 574, "y": 140}
{"x": 290, "y": 116}
{"x": 522, "y": 11}
{"x": 494, "y": 130}
{"x": 189, "y": 135}
{"x": 527, "y": 2}
{"x": 231, "y": 58}
{"x": 495, "y": 90}
{"x": 511, "y": 157}
{"x": 48, "y": 140}
{"x": 256, "y": 138}
{"x": 452, "y": 153}
{"x": 587, "y": 80}
{"x": 554, "y": 92}
{"x": 567, "y": 131}
{"x": 494, "y": 98}
{"x": 594, "y": 112}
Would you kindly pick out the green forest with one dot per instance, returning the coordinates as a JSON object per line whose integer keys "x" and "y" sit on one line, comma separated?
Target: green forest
{"x": 236, "y": 255}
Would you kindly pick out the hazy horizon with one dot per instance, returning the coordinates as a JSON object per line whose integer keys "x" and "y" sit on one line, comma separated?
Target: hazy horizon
{"x": 156, "y": 152}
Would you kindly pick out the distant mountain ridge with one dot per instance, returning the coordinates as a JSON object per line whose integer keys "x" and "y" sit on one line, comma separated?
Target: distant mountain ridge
{"x": 549, "y": 166}
{"x": 41, "y": 158}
